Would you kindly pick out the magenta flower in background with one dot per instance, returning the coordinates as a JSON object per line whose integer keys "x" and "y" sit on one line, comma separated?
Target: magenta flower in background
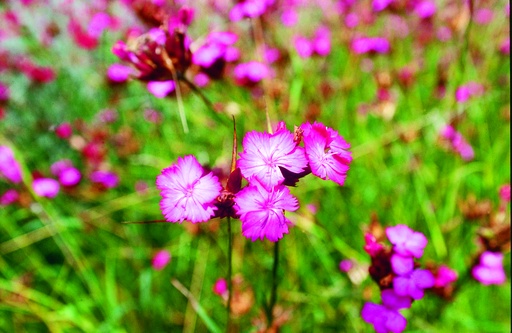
{"x": 250, "y": 72}
{"x": 262, "y": 211}
{"x": 4, "y": 92}
{"x": 327, "y": 152}
{"x": 118, "y": 73}
{"x": 264, "y": 154}
{"x": 161, "y": 259}
{"x": 345, "y": 265}
{"x": 505, "y": 192}
{"x": 187, "y": 192}
{"x": 372, "y": 247}
{"x": 161, "y": 89}
{"x": 303, "y": 46}
{"x": 384, "y": 320}
{"x": 9, "y": 197}
{"x": 362, "y": 45}
{"x": 46, "y": 187}
{"x": 9, "y": 167}
{"x": 201, "y": 80}
{"x": 108, "y": 116}
{"x": 289, "y": 17}
{"x": 108, "y": 179}
{"x": 425, "y": 9}
{"x": 220, "y": 287}
{"x": 64, "y": 130}
{"x": 468, "y": 90}
{"x": 153, "y": 116}
{"x": 458, "y": 143}
{"x": 322, "y": 41}
{"x": 483, "y": 16}
{"x": 216, "y": 47}
{"x": 249, "y": 8}
{"x": 406, "y": 241}
{"x": 380, "y": 5}
{"x": 490, "y": 269}
{"x": 351, "y": 20}
{"x": 445, "y": 275}
{"x": 68, "y": 175}
{"x": 413, "y": 284}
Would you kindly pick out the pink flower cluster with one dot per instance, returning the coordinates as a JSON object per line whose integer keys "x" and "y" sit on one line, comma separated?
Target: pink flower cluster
{"x": 399, "y": 277}
{"x": 269, "y": 163}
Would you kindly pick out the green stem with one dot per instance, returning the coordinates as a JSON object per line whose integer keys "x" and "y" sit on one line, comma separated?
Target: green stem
{"x": 230, "y": 272}
{"x": 273, "y": 294}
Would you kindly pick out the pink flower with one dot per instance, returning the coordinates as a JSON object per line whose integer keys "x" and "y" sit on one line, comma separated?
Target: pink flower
{"x": 346, "y": 265}
{"x": 187, "y": 192}
{"x": 384, "y": 320}
{"x": 161, "y": 89}
{"x": 490, "y": 269}
{"x": 220, "y": 287}
{"x": 249, "y": 73}
{"x": 64, "y": 130}
{"x": 303, "y": 46}
{"x": 406, "y": 242}
{"x": 413, "y": 284}
{"x": 118, "y": 73}
{"x": 161, "y": 259}
{"x": 425, "y": 9}
{"x": 445, "y": 275}
{"x": 458, "y": 143}
{"x": 4, "y": 93}
{"x": 9, "y": 167}
{"x": 483, "y": 16}
{"x": 363, "y": 45}
{"x": 265, "y": 154}
{"x": 9, "y": 197}
{"x": 505, "y": 192}
{"x": 380, "y": 5}
{"x": 372, "y": 247}
{"x": 108, "y": 179}
{"x": 68, "y": 175}
{"x": 326, "y": 152}
{"x": 262, "y": 211}
{"x": 46, "y": 187}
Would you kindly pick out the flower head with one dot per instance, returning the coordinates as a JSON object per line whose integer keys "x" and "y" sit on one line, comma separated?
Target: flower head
{"x": 46, "y": 187}
{"x": 326, "y": 152}
{"x": 9, "y": 167}
{"x": 490, "y": 269}
{"x": 406, "y": 241}
{"x": 161, "y": 259}
{"x": 384, "y": 320}
{"x": 187, "y": 192}
{"x": 264, "y": 154}
{"x": 262, "y": 211}
{"x": 413, "y": 284}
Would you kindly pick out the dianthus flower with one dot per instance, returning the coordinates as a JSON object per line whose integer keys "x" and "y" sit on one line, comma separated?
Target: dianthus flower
{"x": 9, "y": 197}
{"x": 161, "y": 259}
{"x": 68, "y": 175}
{"x": 326, "y": 152}
{"x": 406, "y": 241}
{"x": 490, "y": 269}
{"x": 363, "y": 45}
{"x": 265, "y": 154}
{"x": 108, "y": 179}
{"x": 187, "y": 192}
{"x": 262, "y": 211}
{"x": 413, "y": 284}
{"x": 46, "y": 187}
{"x": 384, "y": 320}
{"x": 9, "y": 167}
